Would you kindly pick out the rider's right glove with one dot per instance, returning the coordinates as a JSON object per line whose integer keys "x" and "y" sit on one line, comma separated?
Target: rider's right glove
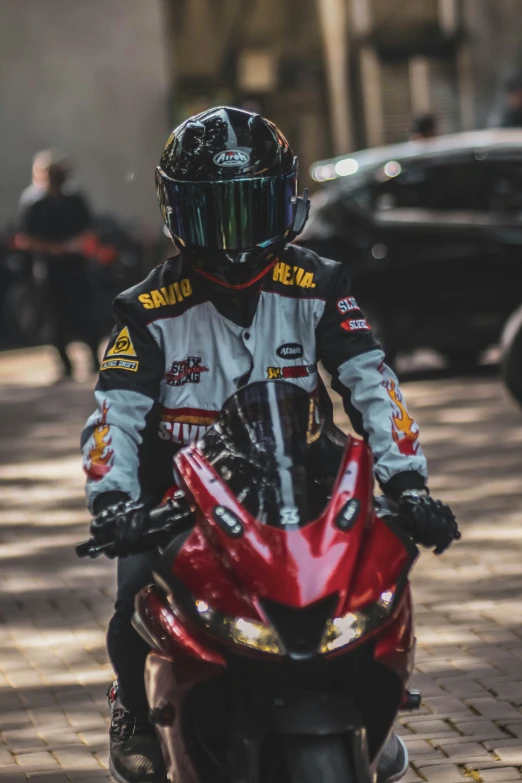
{"x": 122, "y": 524}
{"x": 431, "y": 523}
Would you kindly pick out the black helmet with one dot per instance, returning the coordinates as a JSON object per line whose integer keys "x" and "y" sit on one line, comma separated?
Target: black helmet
{"x": 227, "y": 187}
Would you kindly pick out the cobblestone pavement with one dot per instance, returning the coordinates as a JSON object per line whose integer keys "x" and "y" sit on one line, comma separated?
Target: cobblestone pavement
{"x": 54, "y": 609}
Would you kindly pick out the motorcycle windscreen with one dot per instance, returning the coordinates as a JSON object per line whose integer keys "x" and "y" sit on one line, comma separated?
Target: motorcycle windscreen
{"x": 262, "y": 447}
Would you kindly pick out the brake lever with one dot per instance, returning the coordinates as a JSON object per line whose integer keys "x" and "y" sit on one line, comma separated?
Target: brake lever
{"x": 161, "y": 524}
{"x": 92, "y": 549}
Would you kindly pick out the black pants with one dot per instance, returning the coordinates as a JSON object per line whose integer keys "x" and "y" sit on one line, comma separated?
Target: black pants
{"x": 126, "y": 648}
{"x": 71, "y": 305}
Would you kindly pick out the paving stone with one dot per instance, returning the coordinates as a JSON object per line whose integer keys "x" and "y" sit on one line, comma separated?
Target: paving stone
{"x": 507, "y": 742}
{"x": 431, "y": 728}
{"x": 48, "y": 717}
{"x": 514, "y": 728}
{"x": 418, "y": 747}
{"x": 464, "y": 752}
{"x": 459, "y": 687}
{"x": 98, "y": 739}
{"x": 510, "y": 691}
{"x": 55, "y": 740}
{"x": 411, "y": 777}
{"x": 13, "y": 718}
{"x": 6, "y": 758}
{"x": 442, "y": 773}
{"x": 511, "y": 755}
{"x": 484, "y": 729}
{"x": 501, "y": 775}
{"x": 76, "y": 759}
{"x": 99, "y": 779}
{"x": 493, "y": 708}
{"x": 36, "y": 760}
{"x": 447, "y": 705}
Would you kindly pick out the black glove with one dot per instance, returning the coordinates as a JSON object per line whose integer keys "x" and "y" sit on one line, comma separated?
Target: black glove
{"x": 430, "y": 523}
{"x": 122, "y": 524}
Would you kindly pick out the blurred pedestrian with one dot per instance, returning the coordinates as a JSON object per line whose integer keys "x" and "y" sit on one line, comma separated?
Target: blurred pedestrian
{"x": 511, "y": 112}
{"x": 54, "y": 218}
{"x": 423, "y": 126}
{"x": 37, "y": 188}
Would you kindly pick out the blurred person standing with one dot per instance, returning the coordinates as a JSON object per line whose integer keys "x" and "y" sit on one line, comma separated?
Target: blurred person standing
{"x": 53, "y": 219}
{"x": 41, "y": 162}
{"x": 423, "y": 126}
{"x": 510, "y": 115}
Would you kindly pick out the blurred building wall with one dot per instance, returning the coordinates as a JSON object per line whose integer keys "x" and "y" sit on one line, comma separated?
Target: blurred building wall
{"x": 264, "y": 55}
{"x": 90, "y": 77}
{"x": 495, "y": 36}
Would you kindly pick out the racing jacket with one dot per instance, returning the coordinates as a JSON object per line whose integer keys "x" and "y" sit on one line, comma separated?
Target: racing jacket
{"x": 175, "y": 356}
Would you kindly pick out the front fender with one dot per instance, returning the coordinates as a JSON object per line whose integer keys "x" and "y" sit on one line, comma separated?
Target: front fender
{"x": 313, "y": 712}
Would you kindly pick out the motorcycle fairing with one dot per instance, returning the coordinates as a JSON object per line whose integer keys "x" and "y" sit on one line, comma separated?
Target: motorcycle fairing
{"x": 295, "y": 567}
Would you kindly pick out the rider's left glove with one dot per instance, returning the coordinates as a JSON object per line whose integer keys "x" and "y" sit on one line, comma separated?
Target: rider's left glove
{"x": 430, "y": 522}
{"x": 122, "y": 524}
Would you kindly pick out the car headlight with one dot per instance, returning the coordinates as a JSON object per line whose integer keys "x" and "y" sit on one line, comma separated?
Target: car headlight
{"x": 239, "y": 630}
{"x": 342, "y": 631}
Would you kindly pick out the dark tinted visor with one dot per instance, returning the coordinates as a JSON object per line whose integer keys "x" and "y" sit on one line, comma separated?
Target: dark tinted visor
{"x": 230, "y": 215}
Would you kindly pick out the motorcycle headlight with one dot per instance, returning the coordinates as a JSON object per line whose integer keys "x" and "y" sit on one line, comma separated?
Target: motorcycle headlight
{"x": 342, "y": 631}
{"x": 239, "y": 630}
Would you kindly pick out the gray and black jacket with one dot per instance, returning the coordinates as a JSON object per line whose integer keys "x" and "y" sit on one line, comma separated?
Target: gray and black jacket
{"x": 178, "y": 352}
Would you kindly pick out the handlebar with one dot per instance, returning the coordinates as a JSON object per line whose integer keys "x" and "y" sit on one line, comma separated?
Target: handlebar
{"x": 167, "y": 518}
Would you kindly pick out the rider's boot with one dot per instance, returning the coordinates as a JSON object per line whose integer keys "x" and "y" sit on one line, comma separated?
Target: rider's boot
{"x": 135, "y": 753}
{"x": 393, "y": 763}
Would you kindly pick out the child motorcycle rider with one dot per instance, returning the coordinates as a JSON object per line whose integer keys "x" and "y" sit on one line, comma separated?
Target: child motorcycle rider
{"x": 237, "y": 304}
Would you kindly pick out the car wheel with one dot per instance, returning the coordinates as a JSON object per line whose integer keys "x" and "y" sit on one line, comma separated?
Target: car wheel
{"x": 511, "y": 358}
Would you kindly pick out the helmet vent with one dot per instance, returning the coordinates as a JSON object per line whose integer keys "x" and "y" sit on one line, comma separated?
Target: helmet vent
{"x": 255, "y": 123}
{"x": 193, "y": 136}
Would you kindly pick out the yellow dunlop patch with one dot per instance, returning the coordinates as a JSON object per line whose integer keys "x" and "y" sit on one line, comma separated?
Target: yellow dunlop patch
{"x": 119, "y": 364}
{"x": 122, "y": 345}
{"x": 168, "y": 295}
{"x": 293, "y": 275}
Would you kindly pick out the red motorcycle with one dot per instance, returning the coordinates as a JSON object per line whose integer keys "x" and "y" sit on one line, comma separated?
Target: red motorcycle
{"x": 280, "y": 621}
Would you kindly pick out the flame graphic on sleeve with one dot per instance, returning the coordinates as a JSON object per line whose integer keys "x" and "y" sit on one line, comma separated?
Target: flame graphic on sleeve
{"x": 404, "y": 429}
{"x": 99, "y": 459}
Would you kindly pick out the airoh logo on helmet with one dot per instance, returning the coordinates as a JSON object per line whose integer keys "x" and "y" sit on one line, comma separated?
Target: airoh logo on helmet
{"x": 231, "y": 158}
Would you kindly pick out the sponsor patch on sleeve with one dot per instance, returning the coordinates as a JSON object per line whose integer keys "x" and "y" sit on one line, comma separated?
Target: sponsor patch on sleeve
{"x": 101, "y": 456}
{"x": 405, "y": 431}
{"x": 347, "y": 304}
{"x": 122, "y": 345}
{"x": 355, "y": 325}
{"x": 119, "y": 364}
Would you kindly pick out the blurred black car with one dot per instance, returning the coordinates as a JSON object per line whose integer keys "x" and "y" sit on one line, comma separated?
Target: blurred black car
{"x": 432, "y": 234}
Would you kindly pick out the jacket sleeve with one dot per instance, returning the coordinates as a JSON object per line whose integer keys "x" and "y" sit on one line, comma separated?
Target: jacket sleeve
{"x": 370, "y": 391}
{"x": 126, "y": 392}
